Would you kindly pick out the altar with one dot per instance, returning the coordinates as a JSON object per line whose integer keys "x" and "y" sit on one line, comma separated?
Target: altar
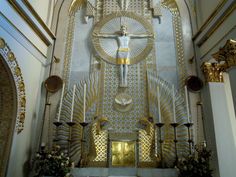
{"x": 124, "y": 114}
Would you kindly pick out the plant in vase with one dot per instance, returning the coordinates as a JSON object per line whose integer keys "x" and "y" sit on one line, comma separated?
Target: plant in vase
{"x": 52, "y": 163}
{"x": 196, "y": 166}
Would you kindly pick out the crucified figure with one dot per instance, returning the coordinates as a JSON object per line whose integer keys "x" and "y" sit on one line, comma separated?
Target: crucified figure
{"x": 123, "y": 51}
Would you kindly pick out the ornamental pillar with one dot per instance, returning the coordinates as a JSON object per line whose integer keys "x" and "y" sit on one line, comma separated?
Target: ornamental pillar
{"x": 220, "y": 122}
{"x": 227, "y": 54}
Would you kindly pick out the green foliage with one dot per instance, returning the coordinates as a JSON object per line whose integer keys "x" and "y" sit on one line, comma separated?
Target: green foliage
{"x": 196, "y": 166}
{"x": 54, "y": 163}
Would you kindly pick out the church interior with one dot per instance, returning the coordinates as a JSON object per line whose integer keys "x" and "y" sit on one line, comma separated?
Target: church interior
{"x": 117, "y": 88}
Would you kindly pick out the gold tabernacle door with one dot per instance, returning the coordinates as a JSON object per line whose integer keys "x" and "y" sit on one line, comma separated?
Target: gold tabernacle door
{"x": 123, "y": 154}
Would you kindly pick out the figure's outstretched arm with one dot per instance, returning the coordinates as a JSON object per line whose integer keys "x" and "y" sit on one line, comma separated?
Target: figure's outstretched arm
{"x": 104, "y": 35}
{"x": 142, "y": 35}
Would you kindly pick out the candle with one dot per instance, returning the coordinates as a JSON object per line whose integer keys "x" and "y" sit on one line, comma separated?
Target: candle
{"x": 187, "y": 105}
{"x": 159, "y": 103}
{"x": 43, "y": 144}
{"x": 173, "y": 99}
{"x": 62, "y": 94}
{"x": 85, "y": 87}
{"x": 72, "y": 105}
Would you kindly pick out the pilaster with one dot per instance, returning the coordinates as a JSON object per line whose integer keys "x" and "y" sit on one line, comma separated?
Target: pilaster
{"x": 222, "y": 108}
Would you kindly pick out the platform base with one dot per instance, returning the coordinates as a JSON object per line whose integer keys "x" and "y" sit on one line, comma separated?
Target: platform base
{"x": 124, "y": 172}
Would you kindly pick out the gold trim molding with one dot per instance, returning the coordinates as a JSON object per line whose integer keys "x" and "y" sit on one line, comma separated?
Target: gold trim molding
{"x": 215, "y": 26}
{"x": 31, "y": 23}
{"x": 210, "y": 18}
{"x": 75, "y": 6}
{"x": 42, "y": 23}
{"x": 227, "y": 54}
{"x": 14, "y": 67}
{"x": 171, "y": 5}
{"x": 213, "y": 72}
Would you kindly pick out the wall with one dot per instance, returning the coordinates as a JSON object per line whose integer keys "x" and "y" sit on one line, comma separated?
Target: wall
{"x": 32, "y": 44}
{"x": 204, "y": 9}
{"x": 209, "y": 38}
{"x": 232, "y": 76}
{"x": 44, "y": 9}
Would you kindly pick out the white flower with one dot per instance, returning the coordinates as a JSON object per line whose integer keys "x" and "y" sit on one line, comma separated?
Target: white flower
{"x": 73, "y": 165}
{"x": 38, "y": 155}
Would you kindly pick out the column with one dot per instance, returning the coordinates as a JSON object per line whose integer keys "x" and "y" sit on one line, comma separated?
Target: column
{"x": 220, "y": 122}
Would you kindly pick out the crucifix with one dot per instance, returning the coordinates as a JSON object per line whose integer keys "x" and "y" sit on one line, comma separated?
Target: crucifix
{"x": 123, "y": 51}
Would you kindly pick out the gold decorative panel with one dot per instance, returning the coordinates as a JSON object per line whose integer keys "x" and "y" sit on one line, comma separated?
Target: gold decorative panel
{"x": 99, "y": 142}
{"x": 213, "y": 72}
{"x": 146, "y": 142}
{"x": 166, "y": 108}
{"x": 227, "y": 54}
{"x": 123, "y": 154}
{"x": 14, "y": 67}
{"x": 125, "y": 121}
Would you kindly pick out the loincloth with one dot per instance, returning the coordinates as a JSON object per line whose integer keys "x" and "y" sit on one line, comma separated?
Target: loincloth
{"x": 123, "y": 56}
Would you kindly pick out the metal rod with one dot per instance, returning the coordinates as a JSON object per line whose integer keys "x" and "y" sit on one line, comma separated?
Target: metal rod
{"x": 71, "y": 124}
{"x": 160, "y": 125}
{"x": 190, "y": 141}
{"x": 175, "y": 125}
{"x": 83, "y": 124}
{"x": 57, "y": 124}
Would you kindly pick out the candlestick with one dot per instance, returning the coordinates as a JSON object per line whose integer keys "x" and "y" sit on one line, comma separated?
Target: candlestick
{"x": 72, "y": 105}
{"x": 173, "y": 99}
{"x": 83, "y": 141}
{"x": 187, "y": 104}
{"x": 58, "y": 124}
{"x": 62, "y": 94}
{"x": 175, "y": 125}
{"x": 71, "y": 124}
{"x": 85, "y": 87}
{"x": 159, "y": 103}
{"x": 190, "y": 141}
{"x": 159, "y": 125}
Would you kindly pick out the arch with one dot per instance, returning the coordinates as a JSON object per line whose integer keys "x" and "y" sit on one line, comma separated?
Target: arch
{"x": 13, "y": 66}
{"x": 75, "y": 5}
{"x": 171, "y": 5}
{"x": 12, "y": 102}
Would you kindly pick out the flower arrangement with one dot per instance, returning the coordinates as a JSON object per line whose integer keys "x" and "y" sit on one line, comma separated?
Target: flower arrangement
{"x": 196, "y": 166}
{"x": 53, "y": 163}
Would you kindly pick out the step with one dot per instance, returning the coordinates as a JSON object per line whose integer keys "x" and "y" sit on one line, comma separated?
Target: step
{"x": 124, "y": 172}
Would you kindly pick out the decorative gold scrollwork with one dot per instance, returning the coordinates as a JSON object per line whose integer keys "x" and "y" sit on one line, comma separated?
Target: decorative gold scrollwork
{"x": 2, "y": 43}
{"x": 227, "y": 54}
{"x": 11, "y": 61}
{"x": 213, "y": 72}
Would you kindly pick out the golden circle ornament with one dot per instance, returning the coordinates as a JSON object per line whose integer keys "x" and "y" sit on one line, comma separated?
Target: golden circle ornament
{"x": 107, "y": 31}
{"x": 2, "y": 43}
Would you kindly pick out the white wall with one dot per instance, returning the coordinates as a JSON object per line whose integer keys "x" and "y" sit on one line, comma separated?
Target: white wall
{"x": 232, "y": 76}
{"x": 44, "y": 8}
{"x": 204, "y": 9}
{"x": 33, "y": 56}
